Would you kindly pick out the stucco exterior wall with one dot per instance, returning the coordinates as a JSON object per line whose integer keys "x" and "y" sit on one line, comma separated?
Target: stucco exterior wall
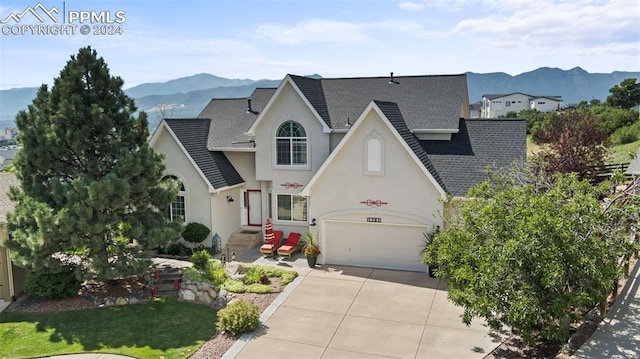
{"x": 289, "y": 106}
{"x": 226, "y": 215}
{"x": 197, "y": 198}
{"x": 411, "y": 198}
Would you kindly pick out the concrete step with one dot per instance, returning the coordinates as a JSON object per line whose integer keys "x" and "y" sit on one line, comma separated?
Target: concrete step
{"x": 242, "y": 241}
{"x": 245, "y": 238}
{"x": 248, "y": 234}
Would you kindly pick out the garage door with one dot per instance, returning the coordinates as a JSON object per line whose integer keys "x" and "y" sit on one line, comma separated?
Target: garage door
{"x": 375, "y": 245}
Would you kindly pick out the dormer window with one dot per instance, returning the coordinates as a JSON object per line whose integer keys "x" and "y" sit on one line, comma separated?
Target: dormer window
{"x": 291, "y": 144}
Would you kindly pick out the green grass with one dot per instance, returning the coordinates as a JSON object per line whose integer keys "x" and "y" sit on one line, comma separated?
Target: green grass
{"x": 167, "y": 329}
{"x": 623, "y": 153}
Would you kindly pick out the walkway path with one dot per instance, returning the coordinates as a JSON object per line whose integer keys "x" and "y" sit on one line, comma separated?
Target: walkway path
{"x": 618, "y": 336}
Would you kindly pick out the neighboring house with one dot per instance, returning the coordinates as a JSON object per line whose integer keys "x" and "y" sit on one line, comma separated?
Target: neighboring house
{"x": 365, "y": 163}
{"x": 475, "y": 109}
{"x": 496, "y": 105}
{"x": 7, "y": 155}
{"x": 11, "y": 277}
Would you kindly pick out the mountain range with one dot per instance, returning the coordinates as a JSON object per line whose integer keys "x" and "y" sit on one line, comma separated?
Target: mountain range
{"x": 187, "y": 96}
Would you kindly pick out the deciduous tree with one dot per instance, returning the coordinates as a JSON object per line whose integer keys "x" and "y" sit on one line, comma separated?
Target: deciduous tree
{"x": 533, "y": 255}
{"x": 574, "y": 143}
{"x": 90, "y": 184}
{"x": 625, "y": 95}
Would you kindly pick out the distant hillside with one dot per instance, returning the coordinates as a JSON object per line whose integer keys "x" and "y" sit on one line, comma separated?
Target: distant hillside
{"x": 573, "y": 85}
{"x": 184, "y": 85}
{"x": 187, "y": 96}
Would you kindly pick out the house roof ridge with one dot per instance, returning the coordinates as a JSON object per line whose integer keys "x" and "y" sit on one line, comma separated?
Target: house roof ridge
{"x": 378, "y": 77}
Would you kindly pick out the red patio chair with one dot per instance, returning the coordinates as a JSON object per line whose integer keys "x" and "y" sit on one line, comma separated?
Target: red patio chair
{"x": 290, "y": 246}
{"x": 270, "y": 247}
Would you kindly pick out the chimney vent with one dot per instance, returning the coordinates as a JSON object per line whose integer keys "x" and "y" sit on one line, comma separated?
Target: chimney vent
{"x": 392, "y": 81}
{"x": 249, "y": 109}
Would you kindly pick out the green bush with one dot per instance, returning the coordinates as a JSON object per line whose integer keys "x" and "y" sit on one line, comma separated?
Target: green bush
{"x": 287, "y": 276}
{"x": 200, "y": 260}
{"x": 213, "y": 274}
{"x": 259, "y": 288}
{"x": 626, "y": 134}
{"x": 234, "y": 286}
{"x": 52, "y": 283}
{"x": 195, "y": 232}
{"x": 238, "y": 317}
{"x": 252, "y": 275}
{"x": 177, "y": 249}
{"x": 216, "y": 273}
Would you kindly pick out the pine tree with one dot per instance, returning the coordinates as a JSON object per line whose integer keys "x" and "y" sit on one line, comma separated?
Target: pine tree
{"x": 90, "y": 184}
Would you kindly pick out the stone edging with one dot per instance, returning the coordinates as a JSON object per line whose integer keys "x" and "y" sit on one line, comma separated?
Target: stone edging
{"x": 203, "y": 293}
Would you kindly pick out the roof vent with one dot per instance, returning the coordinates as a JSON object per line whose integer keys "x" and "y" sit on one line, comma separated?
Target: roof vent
{"x": 249, "y": 109}
{"x": 391, "y": 80}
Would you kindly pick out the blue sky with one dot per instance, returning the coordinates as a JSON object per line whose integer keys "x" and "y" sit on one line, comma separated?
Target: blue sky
{"x": 164, "y": 40}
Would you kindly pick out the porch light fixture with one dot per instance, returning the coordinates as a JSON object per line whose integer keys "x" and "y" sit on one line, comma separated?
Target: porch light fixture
{"x": 230, "y": 199}
{"x": 313, "y": 222}
{"x": 348, "y": 124}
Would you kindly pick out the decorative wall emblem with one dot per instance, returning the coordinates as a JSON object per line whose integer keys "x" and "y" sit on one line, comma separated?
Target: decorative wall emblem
{"x": 294, "y": 185}
{"x": 374, "y": 202}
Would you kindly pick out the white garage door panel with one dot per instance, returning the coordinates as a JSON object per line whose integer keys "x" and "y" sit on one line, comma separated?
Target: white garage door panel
{"x": 374, "y": 245}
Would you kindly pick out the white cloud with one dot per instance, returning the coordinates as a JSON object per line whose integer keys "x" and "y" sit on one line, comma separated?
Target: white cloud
{"x": 411, "y": 6}
{"x": 580, "y": 26}
{"x": 313, "y": 31}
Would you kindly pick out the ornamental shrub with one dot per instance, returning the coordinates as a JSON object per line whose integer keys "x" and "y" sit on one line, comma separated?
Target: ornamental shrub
{"x": 238, "y": 317}
{"x": 252, "y": 275}
{"x": 177, "y": 249}
{"x": 200, "y": 260}
{"x": 195, "y": 232}
{"x": 52, "y": 283}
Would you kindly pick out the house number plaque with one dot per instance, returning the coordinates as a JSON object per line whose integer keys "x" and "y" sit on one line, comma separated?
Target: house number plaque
{"x": 374, "y": 219}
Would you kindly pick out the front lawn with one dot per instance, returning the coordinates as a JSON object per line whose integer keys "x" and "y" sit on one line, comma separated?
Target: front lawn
{"x": 161, "y": 328}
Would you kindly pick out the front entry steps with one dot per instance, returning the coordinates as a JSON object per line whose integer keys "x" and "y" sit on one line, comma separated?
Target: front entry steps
{"x": 243, "y": 240}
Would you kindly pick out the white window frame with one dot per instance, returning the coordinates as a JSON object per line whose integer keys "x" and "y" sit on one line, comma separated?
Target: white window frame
{"x": 294, "y": 142}
{"x": 180, "y": 197}
{"x": 305, "y": 211}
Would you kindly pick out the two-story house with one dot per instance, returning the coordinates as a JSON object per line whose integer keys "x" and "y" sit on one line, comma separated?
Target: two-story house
{"x": 496, "y": 105}
{"x": 365, "y": 163}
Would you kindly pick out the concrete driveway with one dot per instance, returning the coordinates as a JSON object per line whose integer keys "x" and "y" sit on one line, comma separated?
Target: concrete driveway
{"x": 348, "y": 312}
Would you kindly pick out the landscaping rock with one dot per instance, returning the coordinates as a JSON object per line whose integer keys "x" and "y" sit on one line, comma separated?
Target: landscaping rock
{"x": 122, "y": 301}
{"x": 187, "y": 295}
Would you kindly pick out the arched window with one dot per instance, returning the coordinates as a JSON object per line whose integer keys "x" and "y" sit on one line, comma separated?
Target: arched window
{"x": 176, "y": 212}
{"x": 291, "y": 144}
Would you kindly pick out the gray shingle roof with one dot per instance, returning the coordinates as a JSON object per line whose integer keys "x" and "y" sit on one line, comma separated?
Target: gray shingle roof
{"x": 312, "y": 90}
{"x": 426, "y": 102}
{"x": 495, "y": 96}
{"x": 7, "y": 180}
{"x": 217, "y": 168}
{"x": 634, "y": 166}
{"x": 462, "y": 162}
{"x": 230, "y": 119}
{"x": 392, "y": 112}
